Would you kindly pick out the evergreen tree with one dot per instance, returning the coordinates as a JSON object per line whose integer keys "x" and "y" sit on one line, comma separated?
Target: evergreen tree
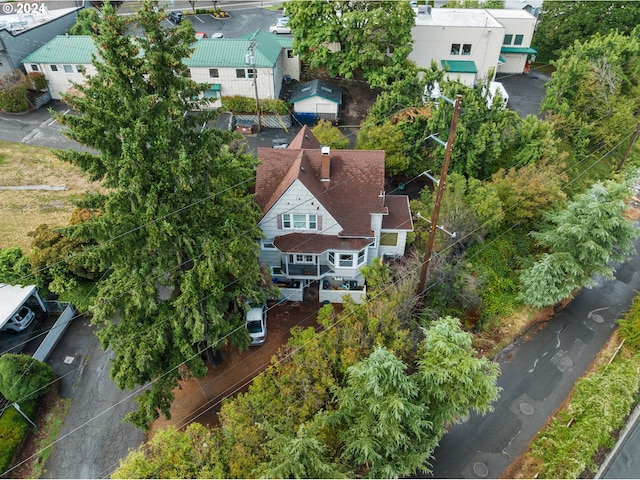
{"x": 177, "y": 231}
{"x": 582, "y": 241}
{"x": 23, "y": 377}
{"x": 383, "y": 427}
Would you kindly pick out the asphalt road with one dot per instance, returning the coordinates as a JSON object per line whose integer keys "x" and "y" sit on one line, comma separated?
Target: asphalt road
{"x": 538, "y": 372}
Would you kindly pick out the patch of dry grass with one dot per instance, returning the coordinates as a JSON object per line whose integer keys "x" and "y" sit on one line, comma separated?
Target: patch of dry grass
{"x": 21, "y": 211}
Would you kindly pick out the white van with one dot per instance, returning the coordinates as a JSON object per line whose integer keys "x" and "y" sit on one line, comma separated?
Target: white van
{"x": 492, "y": 92}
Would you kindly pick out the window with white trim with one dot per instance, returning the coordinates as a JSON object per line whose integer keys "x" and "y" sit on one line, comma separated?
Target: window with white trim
{"x": 347, "y": 260}
{"x": 466, "y": 49}
{"x": 302, "y": 258}
{"x": 54, "y": 68}
{"x": 67, "y": 68}
{"x": 388, "y": 239}
{"x": 508, "y": 38}
{"x": 241, "y": 73}
{"x": 34, "y": 68}
{"x": 300, "y": 221}
{"x": 518, "y": 40}
{"x": 267, "y": 245}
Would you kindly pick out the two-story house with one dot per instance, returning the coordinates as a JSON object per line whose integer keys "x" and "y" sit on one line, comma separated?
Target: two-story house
{"x": 472, "y": 45}
{"x": 224, "y": 66}
{"x": 64, "y": 61}
{"x": 325, "y": 215}
{"x": 231, "y": 65}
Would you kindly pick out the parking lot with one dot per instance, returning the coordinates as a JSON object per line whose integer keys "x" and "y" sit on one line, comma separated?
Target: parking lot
{"x": 239, "y": 24}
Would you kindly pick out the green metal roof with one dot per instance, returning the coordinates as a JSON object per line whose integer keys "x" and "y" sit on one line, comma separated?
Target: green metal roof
{"x": 501, "y": 59}
{"x": 70, "y": 49}
{"x": 459, "y": 66}
{"x": 231, "y": 52}
{"x": 522, "y": 50}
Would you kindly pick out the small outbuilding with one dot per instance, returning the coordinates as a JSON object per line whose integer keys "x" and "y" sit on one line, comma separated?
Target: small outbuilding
{"x": 316, "y": 100}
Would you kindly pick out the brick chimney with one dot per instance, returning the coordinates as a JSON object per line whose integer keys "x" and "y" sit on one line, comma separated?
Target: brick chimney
{"x": 325, "y": 171}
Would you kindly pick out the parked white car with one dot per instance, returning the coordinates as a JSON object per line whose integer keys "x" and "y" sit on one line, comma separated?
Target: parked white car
{"x": 495, "y": 89}
{"x": 19, "y": 321}
{"x": 256, "y": 322}
{"x": 280, "y": 28}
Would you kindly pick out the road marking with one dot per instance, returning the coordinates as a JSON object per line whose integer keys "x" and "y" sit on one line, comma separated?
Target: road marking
{"x": 55, "y": 121}
{"x": 198, "y": 18}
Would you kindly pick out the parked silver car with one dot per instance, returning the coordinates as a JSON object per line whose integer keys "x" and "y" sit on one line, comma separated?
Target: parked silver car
{"x": 19, "y": 321}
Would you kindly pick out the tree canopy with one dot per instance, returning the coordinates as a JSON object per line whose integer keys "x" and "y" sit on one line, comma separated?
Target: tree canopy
{"x": 564, "y": 22}
{"x": 23, "y": 378}
{"x": 581, "y": 241}
{"x": 176, "y": 233}
{"x": 343, "y": 37}
{"x": 87, "y": 22}
{"x": 354, "y": 399}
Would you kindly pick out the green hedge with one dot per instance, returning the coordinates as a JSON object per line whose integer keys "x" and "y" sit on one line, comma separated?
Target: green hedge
{"x": 13, "y": 98}
{"x": 566, "y": 448}
{"x": 13, "y": 428}
{"x": 247, "y": 105}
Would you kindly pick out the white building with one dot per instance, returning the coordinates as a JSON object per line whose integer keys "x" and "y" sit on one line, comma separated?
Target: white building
{"x": 222, "y": 65}
{"x": 471, "y": 44}
{"x": 227, "y": 64}
{"x": 63, "y": 61}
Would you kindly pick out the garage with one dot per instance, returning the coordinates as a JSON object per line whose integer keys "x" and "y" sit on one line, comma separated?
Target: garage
{"x": 14, "y": 297}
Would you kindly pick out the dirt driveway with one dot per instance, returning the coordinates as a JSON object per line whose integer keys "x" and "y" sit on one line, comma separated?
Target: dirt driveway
{"x": 199, "y": 399}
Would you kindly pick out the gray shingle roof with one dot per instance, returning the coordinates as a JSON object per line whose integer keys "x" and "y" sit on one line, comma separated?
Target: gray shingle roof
{"x": 316, "y": 88}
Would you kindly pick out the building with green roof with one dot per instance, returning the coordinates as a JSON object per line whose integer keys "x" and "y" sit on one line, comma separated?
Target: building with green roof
{"x": 64, "y": 61}
{"x": 225, "y": 66}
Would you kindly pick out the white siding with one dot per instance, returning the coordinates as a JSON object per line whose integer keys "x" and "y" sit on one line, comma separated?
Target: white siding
{"x": 297, "y": 200}
{"x": 432, "y": 42}
{"x": 231, "y": 85}
{"x": 315, "y": 104}
{"x": 290, "y": 66}
{"x": 59, "y": 82}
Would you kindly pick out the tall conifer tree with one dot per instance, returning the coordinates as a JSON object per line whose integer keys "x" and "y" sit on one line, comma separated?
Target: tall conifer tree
{"x": 177, "y": 229}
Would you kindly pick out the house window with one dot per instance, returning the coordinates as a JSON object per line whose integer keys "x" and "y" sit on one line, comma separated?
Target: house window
{"x": 290, "y": 54}
{"x": 251, "y": 72}
{"x": 345, "y": 260}
{"x": 466, "y": 49}
{"x": 331, "y": 258}
{"x": 54, "y": 68}
{"x": 34, "y": 68}
{"x": 80, "y": 68}
{"x": 361, "y": 256}
{"x": 268, "y": 245}
{"x": 300, "y": 222}
{"x": 241, "y": 73}
{"x": 388, "y": 239}
{"x": 455, "y": 49}
{"x": 214, "y": 73}
{"x": 518, "y": 40}
{"x": 67, "y": 68}
{"x": 276, "y": 270}
{"x": 374, "y": 243}
{"x": 508, "y": 38}
{"x": 305, "y": 259}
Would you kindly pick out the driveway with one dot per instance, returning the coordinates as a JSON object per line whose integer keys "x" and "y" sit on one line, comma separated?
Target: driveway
{"x": 525, "y": 92}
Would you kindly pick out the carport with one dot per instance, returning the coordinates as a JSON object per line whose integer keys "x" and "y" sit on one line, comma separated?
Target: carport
{"x": 12, "y": 297}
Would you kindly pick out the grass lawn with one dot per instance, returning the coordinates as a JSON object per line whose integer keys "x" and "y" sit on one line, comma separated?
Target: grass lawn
{"x": 21, "y": 211}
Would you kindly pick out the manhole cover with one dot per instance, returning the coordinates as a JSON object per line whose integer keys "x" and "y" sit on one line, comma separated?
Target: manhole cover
{"x": 597, "y": 318}
{"x": 480, "y": 469}
{"x": 526, "y": 408}
{"x": 68, "y": 359}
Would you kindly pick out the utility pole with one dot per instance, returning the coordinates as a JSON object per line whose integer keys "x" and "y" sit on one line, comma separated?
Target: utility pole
{"x": 251, "y": 60}
{"x": 626, "y": 153}
{"x": 436, "y": 208}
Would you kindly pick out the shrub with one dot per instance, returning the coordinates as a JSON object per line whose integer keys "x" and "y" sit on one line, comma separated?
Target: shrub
{"x": 597, "y": 409}
{"x": 38, "y": 81}
{"x": 329, "y": 135}
{"x": 13, "y": 428}
{"x": 630, "y": 326}
{"x": 23, "y": 377}
{"x": 13, "y": 92}
{"x": 239, "y": 104}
